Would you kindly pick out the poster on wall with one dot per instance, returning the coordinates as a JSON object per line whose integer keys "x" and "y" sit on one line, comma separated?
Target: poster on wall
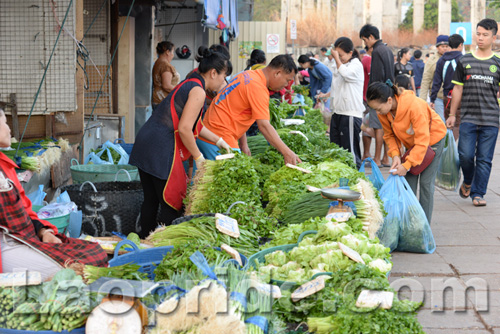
{"x": 245, "y": 48}
{"x": 273, "y": 43}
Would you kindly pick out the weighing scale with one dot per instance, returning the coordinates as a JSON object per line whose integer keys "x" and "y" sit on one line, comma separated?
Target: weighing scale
{"x": 120, "y": 312}
{"x": 340, "y": 212}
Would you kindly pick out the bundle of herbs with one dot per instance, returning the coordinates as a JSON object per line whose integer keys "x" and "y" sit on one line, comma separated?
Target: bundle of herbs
{"x": 218, "y": 184}
{"x": 178, "y": 260}
{"x": 203, "y": 229}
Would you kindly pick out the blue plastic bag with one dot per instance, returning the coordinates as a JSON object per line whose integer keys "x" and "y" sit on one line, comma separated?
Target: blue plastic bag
{"x": 406, "y": 216}
{"x": 448, "y": 174}
{"x": 376, "y": 176}
{"x": 104, "y": 156}
{"x": 38, "y": 196}
{"x": 389, "y": 194}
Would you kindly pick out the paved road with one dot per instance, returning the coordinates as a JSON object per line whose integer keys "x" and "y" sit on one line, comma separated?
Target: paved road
{"x": 467, "y": 254}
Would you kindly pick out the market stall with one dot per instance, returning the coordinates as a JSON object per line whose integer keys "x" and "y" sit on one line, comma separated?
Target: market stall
{"x": 263, "y": 248}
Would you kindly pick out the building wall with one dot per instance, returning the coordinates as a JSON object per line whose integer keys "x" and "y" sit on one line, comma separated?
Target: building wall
{"x": 252, "y": 32}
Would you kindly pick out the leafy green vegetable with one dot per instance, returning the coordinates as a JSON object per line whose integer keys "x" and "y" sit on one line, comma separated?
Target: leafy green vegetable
{"x": 178, "y": 260}
{"x": 218, "y": 184}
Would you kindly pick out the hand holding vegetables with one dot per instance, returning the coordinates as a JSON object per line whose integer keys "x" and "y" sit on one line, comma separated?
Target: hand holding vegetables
{"x": 221, "y": 143}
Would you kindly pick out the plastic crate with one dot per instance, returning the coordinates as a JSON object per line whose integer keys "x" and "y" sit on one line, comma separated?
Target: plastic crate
{"x": 61, "y": 222}
{"x": 80, "y": 330}
{"x": 148, "y": 259}
{"x": 102, "y": 173}
{"x": 126, "y": 147}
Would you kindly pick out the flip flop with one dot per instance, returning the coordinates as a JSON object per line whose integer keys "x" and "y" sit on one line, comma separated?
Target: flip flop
{"x": 464, "y": 190}
{"x": 386, "y": 165}
{"x": 478, "y": 201}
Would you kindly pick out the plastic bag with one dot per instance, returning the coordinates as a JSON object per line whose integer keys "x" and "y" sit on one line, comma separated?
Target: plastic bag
{"x": 405, "y": 227}
{"x": 55, "y": 210}
{"x": 376, "y": 176}
{"x": 389, "y": 194}
{"x": 415, "y": 234}
{"x": 105, "y": 156}
{"x": 38, "y": 196}
{"x": 448, "y": 174}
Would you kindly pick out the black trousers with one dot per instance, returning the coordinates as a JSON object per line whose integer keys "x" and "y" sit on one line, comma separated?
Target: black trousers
{"x": 153, "y": 198}
{"x": 344, "y": 131}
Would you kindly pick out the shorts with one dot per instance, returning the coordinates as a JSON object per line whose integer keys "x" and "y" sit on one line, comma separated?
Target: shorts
{"x": 374, "y": 121}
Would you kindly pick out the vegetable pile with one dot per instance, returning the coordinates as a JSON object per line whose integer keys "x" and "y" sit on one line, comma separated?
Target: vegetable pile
{"x": 57, "y": 305}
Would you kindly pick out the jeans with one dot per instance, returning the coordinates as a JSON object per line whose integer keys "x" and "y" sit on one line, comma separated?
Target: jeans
{"x": 427, "y": 179}
{"x": 439, "y": 108}
{"x": 476, "y": 146}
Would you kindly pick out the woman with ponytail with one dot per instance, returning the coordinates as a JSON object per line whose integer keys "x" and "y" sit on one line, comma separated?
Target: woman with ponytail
{"x": 404, "y": 67}
{"x": 169, "y": 137}
{"x": 409, "y": 121}
{"x": 348, "y": 108}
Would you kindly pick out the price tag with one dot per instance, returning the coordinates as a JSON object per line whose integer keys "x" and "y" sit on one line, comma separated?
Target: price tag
{"x": 21, "y": 278}
{"x": 339, "y": 216}
{"x": 350, "y": 253}
{"x": 267, "y": 289}
{"x": 303, "y": 170}
{"x": 224, "y": 156}
{"x": 292, "y": 121}
{"x": 313, "y": 189}
{"x": 227, "y": 225}
{"x": 233, "y": 252}
{"x": 293, "y": 132}
{"x": 309, "y": 288}
{"x": 374, "y": 298}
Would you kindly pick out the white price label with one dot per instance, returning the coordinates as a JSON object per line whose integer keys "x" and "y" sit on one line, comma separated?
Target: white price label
{"x": 309, "y": 288}
{"x": 227, "y": 225}
{"x": 373, "y": 298}
{"x": 233, "y": 252}
{"x": 303, "y": 170}
{"x": 339, "y": 216}
{"x": 267, "y": 289}
{"x": 313, "y": 189}
{"x": 224, "y": 156}
{"x": 350, "y": 253}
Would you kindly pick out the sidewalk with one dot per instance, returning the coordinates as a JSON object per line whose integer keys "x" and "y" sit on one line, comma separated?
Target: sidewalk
{"x": 467, "y": 254}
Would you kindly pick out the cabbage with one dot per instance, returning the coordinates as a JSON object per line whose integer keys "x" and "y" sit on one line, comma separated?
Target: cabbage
{"x": 381, "y": 265}
{"x": 332, "y": 231}
{"x": 277, "y": 258}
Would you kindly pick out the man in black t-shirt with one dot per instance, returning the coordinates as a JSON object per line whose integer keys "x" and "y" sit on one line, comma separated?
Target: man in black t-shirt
{"x": 382, "y": 68}
{"x": 477, "y": 79}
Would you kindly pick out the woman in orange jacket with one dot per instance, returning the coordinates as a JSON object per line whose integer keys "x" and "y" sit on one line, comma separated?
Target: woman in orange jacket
{"x": 408, "y": 121}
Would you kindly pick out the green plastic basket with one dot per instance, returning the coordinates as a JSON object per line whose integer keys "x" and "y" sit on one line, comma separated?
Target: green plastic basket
{"x": 103, "y": 173}
{"x": 61, "y": 222}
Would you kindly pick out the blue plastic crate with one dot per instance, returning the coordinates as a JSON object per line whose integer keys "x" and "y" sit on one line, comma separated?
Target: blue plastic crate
{"x": 125, "y": 146}
{"x": 148, "y": 259}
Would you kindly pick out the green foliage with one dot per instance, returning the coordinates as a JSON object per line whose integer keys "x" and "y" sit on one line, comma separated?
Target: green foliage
{"x": 431, "y": 13}
{"x": 178, "y": 260}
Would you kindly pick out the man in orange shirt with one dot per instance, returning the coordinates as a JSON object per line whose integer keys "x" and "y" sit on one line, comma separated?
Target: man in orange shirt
{"x": 242, "y": 102}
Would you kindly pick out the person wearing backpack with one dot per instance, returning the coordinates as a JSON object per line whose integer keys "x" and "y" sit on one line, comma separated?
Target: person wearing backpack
{"x": 445, "y": 69}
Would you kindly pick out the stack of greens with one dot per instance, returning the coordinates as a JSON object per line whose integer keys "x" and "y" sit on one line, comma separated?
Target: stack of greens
{"x": 57, "y": 305}
{"x": 320, "y": 253}
{"x": 203, "y": 229}
{"x": 333, "y": 309}
{"x": 218, "y": 184}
